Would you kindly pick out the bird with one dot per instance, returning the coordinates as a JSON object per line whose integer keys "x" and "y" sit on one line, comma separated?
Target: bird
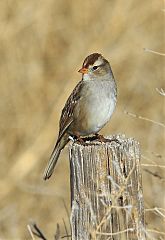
{"x": 88, "y": 108}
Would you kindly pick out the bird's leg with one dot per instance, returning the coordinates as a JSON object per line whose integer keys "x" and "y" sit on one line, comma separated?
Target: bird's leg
{"x": 77, "y": 135}
{"x": 101, "y": 138}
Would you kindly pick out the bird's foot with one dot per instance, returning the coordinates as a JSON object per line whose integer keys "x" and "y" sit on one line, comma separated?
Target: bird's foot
{"x": 101, "y": 138}
{"x": 113, "y": 139}
{"x": 79, "y": 139}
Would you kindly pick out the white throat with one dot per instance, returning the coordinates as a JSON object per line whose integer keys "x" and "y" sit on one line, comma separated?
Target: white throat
{"x": 86, "y": 77}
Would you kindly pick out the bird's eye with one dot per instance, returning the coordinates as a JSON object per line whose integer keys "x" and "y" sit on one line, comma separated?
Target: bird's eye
{"x": 95, "y": 67}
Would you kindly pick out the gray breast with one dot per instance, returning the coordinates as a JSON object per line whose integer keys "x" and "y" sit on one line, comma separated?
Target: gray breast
{"x": 99, "y": 103}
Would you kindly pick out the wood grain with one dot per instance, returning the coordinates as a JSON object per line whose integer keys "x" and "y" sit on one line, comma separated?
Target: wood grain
{"x": 106, "y": 190}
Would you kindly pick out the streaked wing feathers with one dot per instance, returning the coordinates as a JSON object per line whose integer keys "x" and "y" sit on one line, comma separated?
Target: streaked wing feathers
{"x": 67, "y": 112}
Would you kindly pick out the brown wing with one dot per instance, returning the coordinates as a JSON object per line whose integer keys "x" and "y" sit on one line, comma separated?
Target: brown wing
{"x": 67, "y": 112}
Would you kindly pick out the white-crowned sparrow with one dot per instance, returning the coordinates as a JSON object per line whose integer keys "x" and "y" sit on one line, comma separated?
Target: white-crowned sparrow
{"x": 88, "y": 108}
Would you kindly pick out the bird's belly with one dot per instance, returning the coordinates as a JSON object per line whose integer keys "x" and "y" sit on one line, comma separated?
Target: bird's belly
{"x": 99, "y": 116}
{"x": 95, "y": 114}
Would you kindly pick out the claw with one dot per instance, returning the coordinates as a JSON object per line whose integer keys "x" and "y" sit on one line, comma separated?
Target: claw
{"x": 101, "y": 138}
{"x": 78, "y": 138}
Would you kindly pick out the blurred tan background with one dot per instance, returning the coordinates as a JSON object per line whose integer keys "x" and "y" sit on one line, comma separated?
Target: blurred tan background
{"x": 42, "y": 45}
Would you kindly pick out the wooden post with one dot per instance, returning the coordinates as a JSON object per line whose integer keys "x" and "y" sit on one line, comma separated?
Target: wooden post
{"x": 106, "y": 190}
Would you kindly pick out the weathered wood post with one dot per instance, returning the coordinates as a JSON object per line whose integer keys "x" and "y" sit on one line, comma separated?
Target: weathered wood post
{"x": 106, "y": 190}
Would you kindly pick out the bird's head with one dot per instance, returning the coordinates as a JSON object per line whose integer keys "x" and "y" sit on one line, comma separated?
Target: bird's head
{"x": 94, "y": 67}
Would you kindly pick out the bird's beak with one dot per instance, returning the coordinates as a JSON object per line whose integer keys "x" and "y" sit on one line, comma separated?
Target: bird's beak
{"x": 83, "y": 70}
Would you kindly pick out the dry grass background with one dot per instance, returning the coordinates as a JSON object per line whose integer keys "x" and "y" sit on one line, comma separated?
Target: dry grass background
{"x": 42, "y": 45}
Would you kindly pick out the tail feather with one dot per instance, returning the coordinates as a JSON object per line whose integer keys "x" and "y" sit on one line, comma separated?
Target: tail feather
{"x": 52, "y": 163}
{"x": 55, "y": 155}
